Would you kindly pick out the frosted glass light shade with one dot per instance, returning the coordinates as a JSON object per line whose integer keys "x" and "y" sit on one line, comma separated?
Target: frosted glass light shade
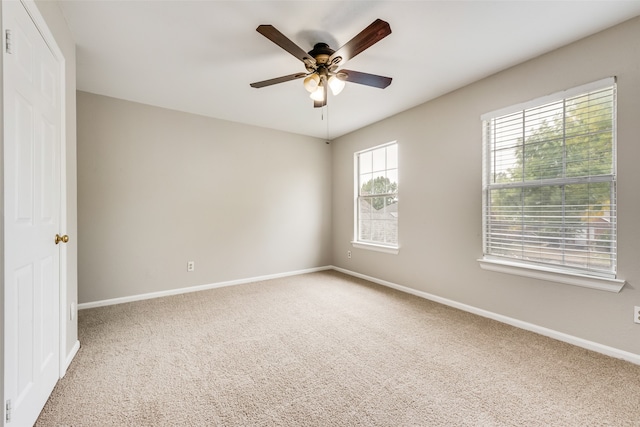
{"x": 318, "y": 94}
{"x": 311, "y": 82}
{"x": 336, "y": 85}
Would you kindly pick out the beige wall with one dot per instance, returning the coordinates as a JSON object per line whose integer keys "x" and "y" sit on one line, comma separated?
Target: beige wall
{"x": 440, "y": 226}
{"x": 158, "y": 188}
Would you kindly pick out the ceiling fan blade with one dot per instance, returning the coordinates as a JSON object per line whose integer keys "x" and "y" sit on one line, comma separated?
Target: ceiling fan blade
{"x": 278, "y": 80}
{"x": 270, "y": 32}
{"x": 366, "y": 79}
{"x": 371, "y": 35}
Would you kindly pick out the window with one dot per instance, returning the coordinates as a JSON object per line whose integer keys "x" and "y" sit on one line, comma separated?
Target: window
{"x": 376, "y": 209}
{"x": 549, "y": 187}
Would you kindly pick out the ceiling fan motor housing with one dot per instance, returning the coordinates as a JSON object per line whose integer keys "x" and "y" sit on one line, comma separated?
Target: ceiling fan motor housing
{"x": 321, "y": 52}
{"x": 321, "y": 49}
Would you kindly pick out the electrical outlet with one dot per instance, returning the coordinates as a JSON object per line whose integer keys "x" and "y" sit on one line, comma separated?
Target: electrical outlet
{"x": 191, "y": 266}
{"x": 349, "y": 254}
{"x": 636, "y": 314}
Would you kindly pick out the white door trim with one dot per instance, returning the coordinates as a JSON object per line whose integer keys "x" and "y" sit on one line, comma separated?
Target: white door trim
{"x": 48, "y": 37}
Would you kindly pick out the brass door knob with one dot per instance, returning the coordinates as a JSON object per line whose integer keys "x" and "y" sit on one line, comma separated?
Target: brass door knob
{"x": 63, "y": 239}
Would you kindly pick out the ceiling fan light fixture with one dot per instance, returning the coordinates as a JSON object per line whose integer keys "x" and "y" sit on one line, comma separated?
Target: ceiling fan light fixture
{"x": 312, "y": 82}
{"x": 336, "y": 85}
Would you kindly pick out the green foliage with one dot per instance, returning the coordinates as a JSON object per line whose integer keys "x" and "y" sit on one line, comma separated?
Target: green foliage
{"x": 572, "y": 143}
{"x": 560, "y": 141}
{"x": 380, "y": 185}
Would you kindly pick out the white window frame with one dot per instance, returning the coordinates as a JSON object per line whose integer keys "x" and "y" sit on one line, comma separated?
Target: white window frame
{"x": 356, "y": 242}
{"x": 549, "y": 272}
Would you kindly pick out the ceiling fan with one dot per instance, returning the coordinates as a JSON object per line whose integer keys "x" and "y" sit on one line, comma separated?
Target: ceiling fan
{"x": 322, "y": 62}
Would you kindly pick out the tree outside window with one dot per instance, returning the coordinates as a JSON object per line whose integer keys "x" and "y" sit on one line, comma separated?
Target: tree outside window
{"x": 550, "y": 195}
{"x": 377, "y": 198}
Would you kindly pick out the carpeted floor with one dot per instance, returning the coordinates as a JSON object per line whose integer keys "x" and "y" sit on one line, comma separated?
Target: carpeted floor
{"x": 326, "y": 349}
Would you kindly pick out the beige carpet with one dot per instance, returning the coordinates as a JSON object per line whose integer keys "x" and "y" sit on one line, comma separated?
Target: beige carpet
{"x": 325, "y": 349}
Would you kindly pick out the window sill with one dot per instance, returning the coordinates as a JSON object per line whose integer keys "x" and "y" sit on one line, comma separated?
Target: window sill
{"x": 380, "y": 248}
{"x": 552, "y": 275}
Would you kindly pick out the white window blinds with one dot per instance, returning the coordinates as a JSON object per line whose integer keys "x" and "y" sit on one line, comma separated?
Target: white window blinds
{"x": 549, "y": 188}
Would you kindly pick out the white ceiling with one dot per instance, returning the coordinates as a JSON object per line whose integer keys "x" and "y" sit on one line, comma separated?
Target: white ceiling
{"x": 200, "y": 56}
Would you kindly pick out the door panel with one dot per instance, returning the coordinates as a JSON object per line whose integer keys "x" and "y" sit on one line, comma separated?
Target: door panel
{"x": 31, "y": 78}
{"x": 23, "y": 161}
{"x": 23, "y": 283}
{"x": 48, "y": 168}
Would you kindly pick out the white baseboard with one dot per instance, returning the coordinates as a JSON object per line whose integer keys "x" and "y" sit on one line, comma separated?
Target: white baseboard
{"x": 189, "y": 289}
{"x": 69, "y": 359}
{"x": 560, "y": 336}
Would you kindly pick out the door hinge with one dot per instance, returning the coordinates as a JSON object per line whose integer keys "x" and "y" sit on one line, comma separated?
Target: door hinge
{"x": 7, "y": 42}
{"x": 8, "y": 407}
